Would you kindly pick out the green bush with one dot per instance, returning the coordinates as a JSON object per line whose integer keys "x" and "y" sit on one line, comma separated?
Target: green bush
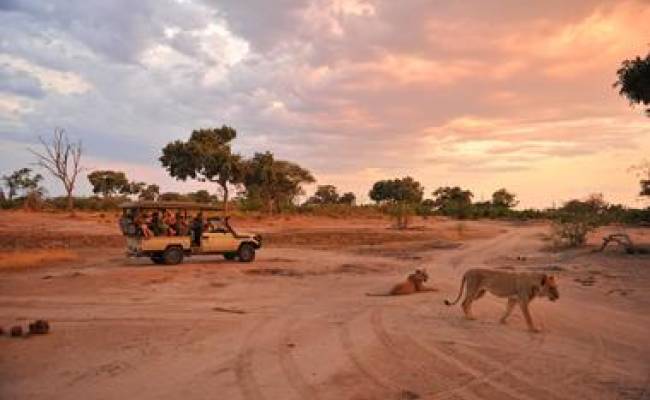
{"x": 576, "y": 219}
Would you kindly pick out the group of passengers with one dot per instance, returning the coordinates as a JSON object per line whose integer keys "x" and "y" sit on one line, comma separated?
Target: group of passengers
{"x": 166, "y": 223}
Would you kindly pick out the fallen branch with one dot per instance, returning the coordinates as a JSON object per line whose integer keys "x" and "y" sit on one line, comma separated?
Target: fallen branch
{"x": 621, "y": 239}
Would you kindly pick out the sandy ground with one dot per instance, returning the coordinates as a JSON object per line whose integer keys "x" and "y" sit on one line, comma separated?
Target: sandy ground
{"x": 296, "y": 323}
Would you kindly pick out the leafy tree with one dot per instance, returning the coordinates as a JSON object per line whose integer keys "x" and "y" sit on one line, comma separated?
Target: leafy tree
{"x": 275, "y": 182}
{"x": 62, "y": 159}
{"x": 206, "y": 156}
{"x": 150, "y": 192}
{"x": 425, "y": 208}
{"x": 348, "y": 198}
{"x": 133, "y": 188}
{"x": 504, "y": 199}
{"x": 453, "y": 201}
{"x": 108, "y": 182}
{"x": 22, "y": 180}
{"x": 397, "y": 190}
{"x": 325, "y": 194}
{"x": 634, "y": 81}
{"x": 400, "y": 195}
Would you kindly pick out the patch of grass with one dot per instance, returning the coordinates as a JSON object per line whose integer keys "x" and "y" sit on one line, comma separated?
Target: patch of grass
{"x": 18, "y": 260}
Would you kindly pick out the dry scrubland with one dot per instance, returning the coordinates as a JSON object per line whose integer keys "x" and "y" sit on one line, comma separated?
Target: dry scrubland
{"x": 296, "y": 324}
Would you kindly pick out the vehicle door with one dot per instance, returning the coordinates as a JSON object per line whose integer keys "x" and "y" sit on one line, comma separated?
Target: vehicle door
{"x": 219, "y": 241}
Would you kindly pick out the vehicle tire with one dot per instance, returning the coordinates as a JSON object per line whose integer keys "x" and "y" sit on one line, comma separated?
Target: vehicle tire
{"x": 229, "y": 256}
{"x": 246, "y": 252}
{"x": 157, "y": 259}
{"x": 173, "y": 256}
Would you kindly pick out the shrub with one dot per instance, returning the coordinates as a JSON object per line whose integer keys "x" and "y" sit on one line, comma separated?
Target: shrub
{"x": 570, "y": 233}
{"x": 576, "y": 219}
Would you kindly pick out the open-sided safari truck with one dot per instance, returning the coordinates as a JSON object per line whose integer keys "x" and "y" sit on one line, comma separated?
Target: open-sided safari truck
{"x": 168, "y": 231}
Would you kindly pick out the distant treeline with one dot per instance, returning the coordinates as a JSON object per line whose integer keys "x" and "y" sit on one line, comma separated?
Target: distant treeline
{"x": 453, "y": 202}
{"x": 263, "y": 183}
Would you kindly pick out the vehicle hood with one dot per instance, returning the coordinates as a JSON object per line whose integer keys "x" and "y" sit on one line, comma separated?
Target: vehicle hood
{"x": 249, "y": 234}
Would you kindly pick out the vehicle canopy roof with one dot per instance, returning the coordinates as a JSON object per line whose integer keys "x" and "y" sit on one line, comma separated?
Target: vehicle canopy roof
{"x": 166, "y": 205}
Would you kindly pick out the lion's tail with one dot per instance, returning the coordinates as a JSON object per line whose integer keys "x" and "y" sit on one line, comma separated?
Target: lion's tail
{"x": 460, "y": 293}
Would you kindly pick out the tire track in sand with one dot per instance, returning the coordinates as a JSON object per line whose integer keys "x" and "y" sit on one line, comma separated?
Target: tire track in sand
{"x": 474, "y": 373}
{"x": 248, "y": 385}
{"x": 289, "y": 366}
{"x": 495, "y": 368}
{"x": 378, "y": 378}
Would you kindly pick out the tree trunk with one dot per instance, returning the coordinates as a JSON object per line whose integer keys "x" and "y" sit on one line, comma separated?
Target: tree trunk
{"x": 70, "y": 203}
{"x": 224, "y": 186}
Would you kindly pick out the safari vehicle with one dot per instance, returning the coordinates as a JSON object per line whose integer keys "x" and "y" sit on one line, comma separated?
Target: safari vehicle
{"x": 185, "y": 236}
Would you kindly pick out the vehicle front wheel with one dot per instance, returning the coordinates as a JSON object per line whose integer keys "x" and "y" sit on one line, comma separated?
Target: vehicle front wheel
{"x": 173, "y": 256}
{"x": 246, "y": 252}
{"x": 230, "y": 256}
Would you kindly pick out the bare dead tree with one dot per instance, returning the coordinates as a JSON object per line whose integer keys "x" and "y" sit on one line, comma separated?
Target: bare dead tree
{"x": 61, "y": 158}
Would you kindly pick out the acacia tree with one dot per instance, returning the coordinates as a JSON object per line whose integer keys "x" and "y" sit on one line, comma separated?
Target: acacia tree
{"x": 348, "y": 198}
{"x": 62, "y": 159}
{"x": 634, "y": 81}
{"x": 206, "y": 156}
{"x": 275, "y": 182}
{"x": 504, "y": 199}
{"x": 452, "y": 201}
{"x": 22, "y": 179}
{"x": 108, "y": 182}
{"x": 133, "y": 188}
{"x": 401, "y": 195}
{"x": 325, "y": 194}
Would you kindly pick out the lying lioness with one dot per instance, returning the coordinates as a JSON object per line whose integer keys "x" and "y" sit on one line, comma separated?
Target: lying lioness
{"x": 414, "y": 283}
{"x": 518, "y": 287}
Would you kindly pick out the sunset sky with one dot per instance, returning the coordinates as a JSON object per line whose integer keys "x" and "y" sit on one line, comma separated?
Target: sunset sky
{"x": 481, "y": 94}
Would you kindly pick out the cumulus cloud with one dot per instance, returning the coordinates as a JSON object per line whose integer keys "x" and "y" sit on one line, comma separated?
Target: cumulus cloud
{"x": 352, "y": 89}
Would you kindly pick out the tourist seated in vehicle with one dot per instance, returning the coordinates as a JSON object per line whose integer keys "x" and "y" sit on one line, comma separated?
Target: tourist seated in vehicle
{"x": 142, "y": 222}
{"x": 169, "y": 221}
{"x": 154, "y": 226}
{"x": 181, "y": 227}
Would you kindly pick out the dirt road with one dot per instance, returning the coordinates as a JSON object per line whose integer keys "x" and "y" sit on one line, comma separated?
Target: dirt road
{"x": 296, "y": 324}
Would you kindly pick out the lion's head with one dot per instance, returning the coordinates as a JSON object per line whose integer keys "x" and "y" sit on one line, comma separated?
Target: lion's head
{"x": 420, "y": 275}
{"x": 549, "y": 288}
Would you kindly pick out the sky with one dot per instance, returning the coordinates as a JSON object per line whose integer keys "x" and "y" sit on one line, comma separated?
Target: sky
{"x": 480, "y": 94}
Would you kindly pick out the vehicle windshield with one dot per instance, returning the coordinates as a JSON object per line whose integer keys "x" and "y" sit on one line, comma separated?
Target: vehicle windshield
{"x": 218, "y": 225}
